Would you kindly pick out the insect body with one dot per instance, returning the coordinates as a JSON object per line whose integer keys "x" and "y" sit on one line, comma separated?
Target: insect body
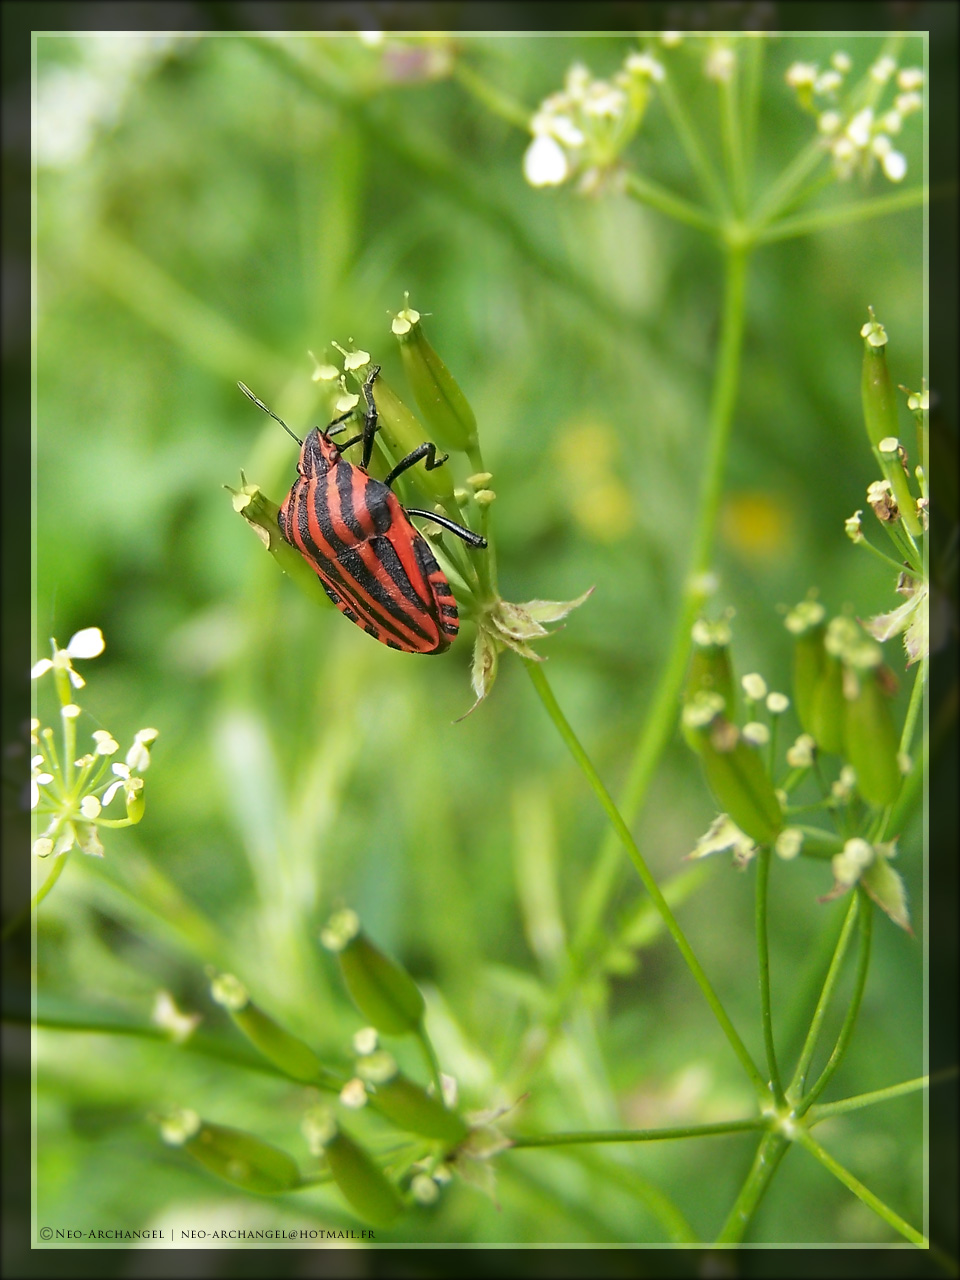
{"x": 375, "y": 566}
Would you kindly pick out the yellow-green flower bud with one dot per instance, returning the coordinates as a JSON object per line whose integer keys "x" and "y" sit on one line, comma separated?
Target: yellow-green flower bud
{"x": 134, "y": 797}
{"x": 384, "y": 993}
{"x": 442, "y": 403}
{"x": 735, "y": 772}
{"x": 363, "y": 1183}
{"x": 284, "y": 1050}
{"x": 870, "y": 737}
{"x": 242, "y": 1159}
{"x": 710, "y": 671}
{"x": 261, "y": 515}
{"x": 409, "y": 1106}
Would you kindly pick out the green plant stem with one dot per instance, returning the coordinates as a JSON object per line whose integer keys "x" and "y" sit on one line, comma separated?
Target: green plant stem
{"x": 826, "y": 994}
{"x": 639, "y": 1135}
{"x": 430, "y": 1056}
{"x": 865, "y": 912}
{"x": 661, "y": 719}
{"x": 854, "y": 1103}
{"x": 763, "y": 966}
{"x": 841, "y": 215}
{"x": 752, "y": 82}
{"x": 540, "y": 683}
{"x": 17, "y": 921}
{"x": 494, "y": 99}
{"x": 782, "y": 189}
{"x": 693, "y": 148}
{"x": 665, "y": 202}
{"x": 915, "y": 706}
{"x": 853, "y": 1184}
{"x": 732, "y": 134}
{"x": 773, "y": 1146}
{"x": 641, "y": 1189}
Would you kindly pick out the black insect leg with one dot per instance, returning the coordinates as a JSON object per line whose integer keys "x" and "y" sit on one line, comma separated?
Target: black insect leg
{"x": 370, "y": 422}
{"x": 470, "y": 538}
{"x": 425, "y": 450}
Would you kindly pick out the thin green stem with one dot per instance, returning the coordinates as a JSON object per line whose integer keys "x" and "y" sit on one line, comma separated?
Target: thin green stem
{"x": 870, "y": 1099}
{"x": 430, "y": 1056}
{"x": 782, "y": 189}
{"x": 671, "y": 206}
{"x": 641, "y": 1189}
{"x": 841, "y": 216}
{"x": 732, "y": 135}
{"x": 865, "y": 913}
{"x": 763, "y": 966}
{"x": 638, "y": 1135}
{"x": 494, "y": 99}
{"x": 17, "y": 921}
{"x": 773, "y": 1146}
{"x": 888, "y": 560}
{"x": 826, "y": 994}
{"x": 752, "y": 83}
{"x": 540, "y": 683}
{"x": 693, "y": 147}
{"x": 853, "y": 1184}
{"x": 661, "y": 719}
{"x": 915, "y": 707}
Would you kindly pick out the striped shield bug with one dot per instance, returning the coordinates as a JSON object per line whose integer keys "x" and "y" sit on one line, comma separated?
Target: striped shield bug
{"x": 375, "y": 566}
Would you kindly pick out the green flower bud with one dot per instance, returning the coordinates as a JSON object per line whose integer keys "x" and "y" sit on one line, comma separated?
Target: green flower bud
{"x": 826, "y": 719}
{"x": 242, "y": 1159}
{"x": 407, "y": 1105}
{"x": 384, "y": 993}
{"x": 805, "y": 623}
{"x": 710, "y": 671}
{"x": 134, "y": 797}
{"x": 870, "y": 738}
{"x": 735, "y": 772}
{"x": 284, "y": 1050}
{"x": 261, "y": 515}
{"x": 442, "y": 403}
{"x": 363, "y": 1183}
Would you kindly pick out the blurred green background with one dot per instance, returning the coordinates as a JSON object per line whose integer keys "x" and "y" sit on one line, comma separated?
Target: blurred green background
{"x": 208, "y": 210}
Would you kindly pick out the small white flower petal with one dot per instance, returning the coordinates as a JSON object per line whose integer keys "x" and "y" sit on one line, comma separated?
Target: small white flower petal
{"x": 800, "y": 74}
{"x": 138, "y": 757}
{"x": 894, "y": 165}
{"x": 545, "y": 163}
{"x": 40, "y": 668}
{"x": 120, "y": 770}
{"x": 88, "y": 643}
{"x": 34, "y": 793}
{"x": 43, "y": 847}
{"x": 910, "y": 78}
{"x": 841, "y": 62}
{"x": 70, "y": 711}
{"x": 860, "y": 127}
{"x": 112, "y": 790}
{"x": 76, "y": 679}
{"x": 90, "y": 807}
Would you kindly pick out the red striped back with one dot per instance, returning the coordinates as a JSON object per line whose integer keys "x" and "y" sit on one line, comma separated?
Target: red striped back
{"x": 373, "y": 564}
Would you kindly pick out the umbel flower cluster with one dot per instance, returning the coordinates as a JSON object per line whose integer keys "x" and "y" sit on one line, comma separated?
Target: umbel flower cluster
{"x": 461, "y": 490}
{"x": 841, "y": 693}
{"x": 75, "y": 791}
{"x": 856, "y": 127}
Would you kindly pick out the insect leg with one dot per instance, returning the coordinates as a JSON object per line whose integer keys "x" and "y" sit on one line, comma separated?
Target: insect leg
{"x": 370, "y": 422}
{"x": 470, "y": 538}
{"x": 425, "y": 450}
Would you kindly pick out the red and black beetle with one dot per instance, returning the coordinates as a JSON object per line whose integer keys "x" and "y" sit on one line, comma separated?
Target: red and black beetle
{"x": 375, "y": 566}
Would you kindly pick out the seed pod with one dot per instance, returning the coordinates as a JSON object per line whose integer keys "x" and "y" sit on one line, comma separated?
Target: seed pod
{"x": 363, "y": 1183}
{"x": 384, "y": 992}
{"x": 876, "y": 388}
{"x": 806, "y": 623}
{"x": 870, "y": 738}
{"x": 826, "y": 718}
{"x": 284, "y": 1050}
{"x": 407, "y": 1105}
{"x": 134, "y": 797}
{"x": 442, "y": 403}
{"x": 711, "y": 671}
{"x": 735, "y": 773}
{"x": 244, "y": 1160}
{"x": 261, "y": 515}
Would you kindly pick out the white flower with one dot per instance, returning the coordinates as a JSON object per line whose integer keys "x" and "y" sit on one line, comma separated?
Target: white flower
{"x": 754, "y": 686}
{"x": 828, "y": 82}
{"x": 882, "y": 70}
{"x": 841, "y": 61}
{"x": 720, "y": 64}
{"x": 179, "y": 1026}
{"x": 641, "y": 64}
{"x": 908, "y": 103}
{"x": 829, "y": 122}
{"x": 777, "y": 703}
{"x": 138, "y": 757}
{"x": 800, "y": 755}
{"x": 576, "y": 81}
{"x": 90, "y": 807}
{"x": 860, "y": 127}
{"x": 122, "y": 774}
{"x": 910, "y": 78}
{"x": 106, "y": 743}
{"x": 800, "y": 74}
{"x": 756, "y": 733}
{"x": 70, "y": 711}
{"x": 603, "y": 100}
{"x": 564, "y": 130}
{"x": 789, "y": 843}
{"x": 88, "y": 643}
{"x": 545, "y": 163}
{"x": 892, "y": 122}
{"x": 671, "y": 39}
{"x": 354, "y": 1094}
{"x": 894, "y": 165}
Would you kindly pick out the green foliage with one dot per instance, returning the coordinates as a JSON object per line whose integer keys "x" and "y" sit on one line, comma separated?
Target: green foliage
{"x": 665, "y": 404}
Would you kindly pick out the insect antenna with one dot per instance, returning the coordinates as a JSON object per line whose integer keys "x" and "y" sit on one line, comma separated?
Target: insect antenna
{"x": 259, "y": 403}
